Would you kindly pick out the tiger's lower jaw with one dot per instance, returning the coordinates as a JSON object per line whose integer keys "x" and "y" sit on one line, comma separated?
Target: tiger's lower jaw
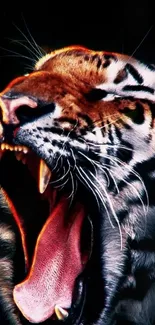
{"x": 50, "y": 289}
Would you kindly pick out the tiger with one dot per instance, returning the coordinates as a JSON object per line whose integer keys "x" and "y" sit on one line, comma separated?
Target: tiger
{"x": 77, "y": 175}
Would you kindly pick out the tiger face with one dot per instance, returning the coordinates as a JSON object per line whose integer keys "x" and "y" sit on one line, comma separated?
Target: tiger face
{"x": 83, "y": 125}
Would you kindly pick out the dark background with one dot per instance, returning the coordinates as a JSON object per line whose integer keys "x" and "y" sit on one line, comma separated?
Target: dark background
{"x": 125, "y": 27}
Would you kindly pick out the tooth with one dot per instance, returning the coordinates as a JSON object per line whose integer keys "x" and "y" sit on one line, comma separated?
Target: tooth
{"x": 3, "y": 146}
{"x": 44, "y": 176}
{"x": 60, "y": 312}
{"x": 25, "y": 150}
{"x": 9, "y": 147}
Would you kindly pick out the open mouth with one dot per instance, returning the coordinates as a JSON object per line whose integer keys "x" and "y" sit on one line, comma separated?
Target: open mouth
{"x": 56, "y": 235}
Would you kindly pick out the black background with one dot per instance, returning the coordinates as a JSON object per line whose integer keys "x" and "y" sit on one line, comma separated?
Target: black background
{"x": 125, "y": 27}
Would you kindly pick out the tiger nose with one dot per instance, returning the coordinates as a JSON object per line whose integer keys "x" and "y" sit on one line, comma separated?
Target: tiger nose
{"x": 9, "y": 107}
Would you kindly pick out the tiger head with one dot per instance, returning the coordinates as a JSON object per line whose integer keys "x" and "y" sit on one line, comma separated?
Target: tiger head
{"x": 80, "y": 122}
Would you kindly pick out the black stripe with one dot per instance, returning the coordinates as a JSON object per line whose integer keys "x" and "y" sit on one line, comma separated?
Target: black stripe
{"x": 136, "y": 115}
{"x": 123, "y": 154}
{"x": 126, "y": 126}
{"x": 86, "y": 57}
{"x": 96, "y": 94}
{"x": 139, "y": 88}
{"x": 106, "y": 64}
{"x": 7, "y": 248}
{"x": 99, "y": 63}
{"x": 110, "y": 56}
{"x": 136, "y": 75}
{"x": 87, "y": 119}
{"x": 121, "y": 76}
{"x": 110, "y": 135}
{"x": 94, "y": 57}
{"x": 152, "y": 109}
{"x": 50, "y": 129}
{"x": 122, "y": 214}
{"x": 143, "y": 244}
{"x": 46, "y": 140}
{"x": 57, "y": 143}
{"x": 69, "y": 120}
{"x": 118, "y": 133}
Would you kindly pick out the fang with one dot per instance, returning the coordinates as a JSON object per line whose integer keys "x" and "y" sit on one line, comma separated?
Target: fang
{"x": 60, "y": 312}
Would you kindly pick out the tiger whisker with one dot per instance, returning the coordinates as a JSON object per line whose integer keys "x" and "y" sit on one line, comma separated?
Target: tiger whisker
{"x": 131, "y": 170}
{"x": 100, "y": 196}
{"x": 62, "y": 177}
{"x": 112, "y": 172}
{"x": 111, "y": 146}
{"x": 61, "y": 163}
{"x": 93, "y": 163}
{"x": 36, "y": 54}
{"x": 107, "y": 124}
{"x": 62, "y": 185}
{"x": 85, "y": 142}
{"x": 145, "y": 209}
{"x": 113, "y": 178}
{"x": 111, "y": 207}
{"x": 53, "y": 157}
{"x": 39, "y": 50}
{"x": 73, "y": 158}
{"x": 16, "y": 54}
{"x": 137, "y": 193}
{"x": 94, "y": 123}
{"x": 21, "y": 42}
{"x": 98, "y": 121}
{"x": 64, "y": 143}
{"x": 86, "y": 184}
{"x": 143, "y": 39}
{"x": 73, "y": 189}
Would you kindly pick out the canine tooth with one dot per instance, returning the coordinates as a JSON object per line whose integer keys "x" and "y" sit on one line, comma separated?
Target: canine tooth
{"x": 60, "y": 312}
{"x": 44, "y": 176}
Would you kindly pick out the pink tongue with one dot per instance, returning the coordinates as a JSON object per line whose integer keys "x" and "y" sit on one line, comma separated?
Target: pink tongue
{"x": 56, "y": 264}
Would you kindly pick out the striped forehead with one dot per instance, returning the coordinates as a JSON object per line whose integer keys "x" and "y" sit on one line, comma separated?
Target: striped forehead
{"x": 74, "y": 50}
{"x": 52, "y": 54}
